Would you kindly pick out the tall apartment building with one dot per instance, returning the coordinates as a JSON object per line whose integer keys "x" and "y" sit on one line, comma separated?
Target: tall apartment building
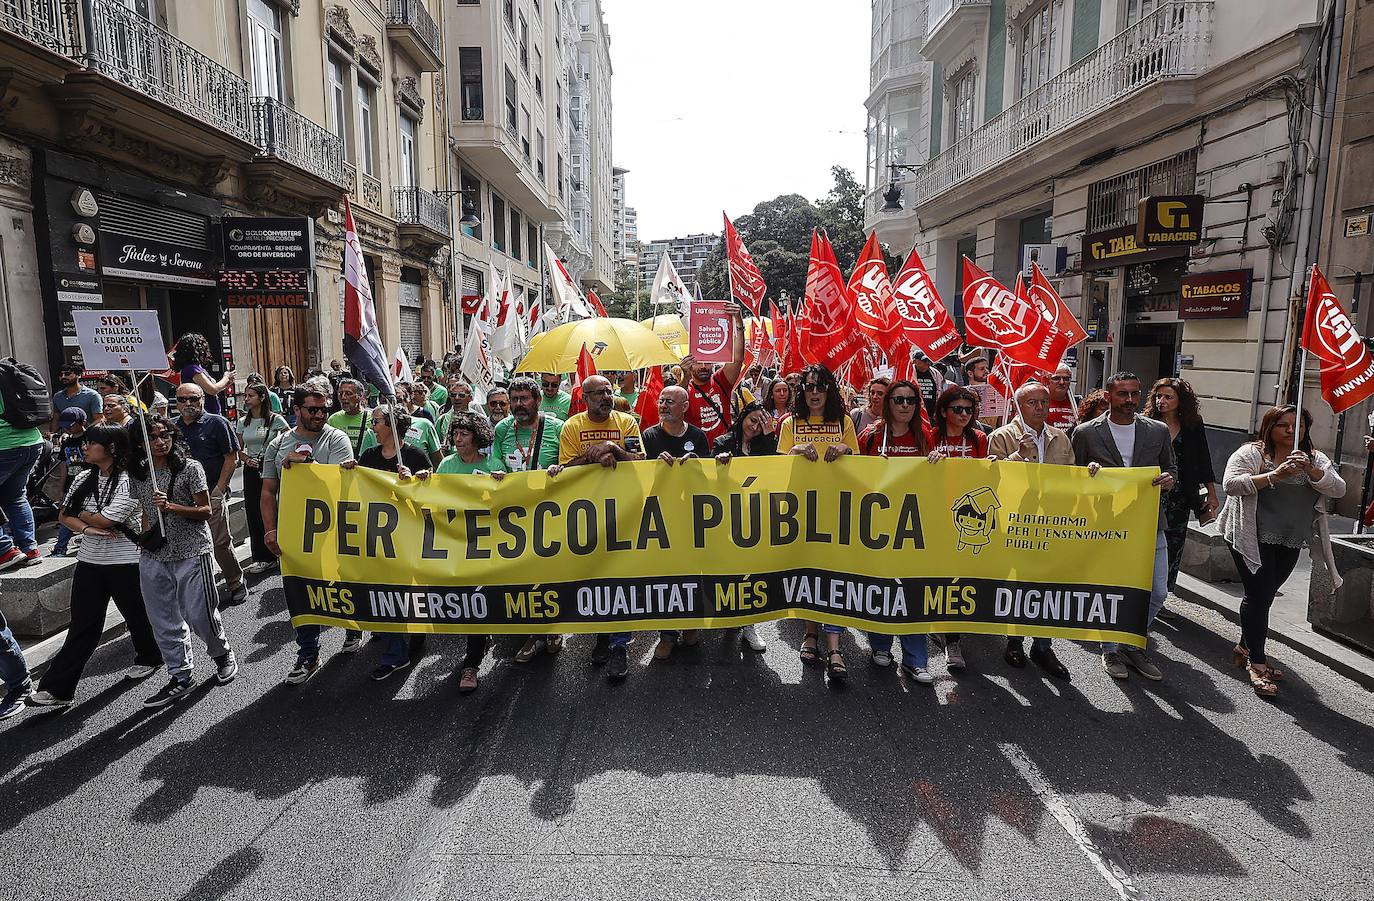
{"x": 999, "y": 125}
{"x": 624, "y": 226}
{"x": 592, "y": 166}
{"x": 138, "y": 129}
{"x": 687, "y": 254}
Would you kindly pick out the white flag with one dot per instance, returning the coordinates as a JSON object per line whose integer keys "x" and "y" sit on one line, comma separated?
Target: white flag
{"x": 400, "y": 367}
{"x": 479, "y": 364}
{"x": 508, "y": 339}
{"x": 568, "y": 300}
{"x": 668, "y": 288}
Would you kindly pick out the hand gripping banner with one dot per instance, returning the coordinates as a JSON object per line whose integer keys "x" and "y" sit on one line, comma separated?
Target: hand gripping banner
{"x": 893, "y": 546}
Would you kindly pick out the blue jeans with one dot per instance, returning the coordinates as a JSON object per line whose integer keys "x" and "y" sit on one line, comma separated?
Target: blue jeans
{"x": 64, "y": 537}
{"x": 14, "y": 671}
{"x": 915, "y": 652}
{"x": 1159, "y": 588}
{"x": 15, "y": 466}
{"x": 308, "y": 641}
{"x": 621, "y": 639}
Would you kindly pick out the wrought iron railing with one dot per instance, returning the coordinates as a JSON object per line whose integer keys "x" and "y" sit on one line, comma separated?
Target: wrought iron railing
{"x": 124, "y": 46}
{"x": 285, "y": 134}
{"x": 1172, "y": 41}
{"x": 939, "y": 10}
{"x": 416, "y": 206}
{"x": 412, "y": 13}
{"x": 47, "y": 23}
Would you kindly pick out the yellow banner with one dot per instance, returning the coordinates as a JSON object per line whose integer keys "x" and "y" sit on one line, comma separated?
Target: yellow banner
{"x": 894, "y": 546}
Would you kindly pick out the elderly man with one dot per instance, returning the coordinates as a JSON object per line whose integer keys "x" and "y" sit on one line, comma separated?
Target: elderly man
{"x": 1063, "y": 414}
{"x": 1121, "y": 437}
{"x": 498, "y": 405}
{"x": 604, "y": 437}
{"x": 213, "y": 444}
{"x": 351, "y": 418}
{"x": 1029, "y": 439}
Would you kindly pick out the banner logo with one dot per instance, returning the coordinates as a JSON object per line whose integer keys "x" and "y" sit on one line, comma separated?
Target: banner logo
{"x": 975, "y": 518}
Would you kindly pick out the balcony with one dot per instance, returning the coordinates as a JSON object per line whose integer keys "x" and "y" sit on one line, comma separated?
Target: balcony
{"x": 1140, "y": 67}
{"x": 297, "y": 159}
{"x": 364, "y": 190}
{"x": 952, "y": 24}
{"x": 496, "y": 149}
{"x": 410, "y": 26}
{"x": 422, "y": 219}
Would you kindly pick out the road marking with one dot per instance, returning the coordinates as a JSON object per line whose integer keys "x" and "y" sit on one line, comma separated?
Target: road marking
{"x": 1059, "y": 808}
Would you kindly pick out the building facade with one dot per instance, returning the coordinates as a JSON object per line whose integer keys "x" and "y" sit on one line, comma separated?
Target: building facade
{"x": 624, "y": 226}
{"x": 592, "y": 166}
{"x": 1040, "y": 126}
{"x": 140, "y": 130}
{"x": 687, "y": 254}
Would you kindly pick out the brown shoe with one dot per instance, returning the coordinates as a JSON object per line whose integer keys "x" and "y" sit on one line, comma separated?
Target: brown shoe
{"x": 691, "y": 637}
{"x": 554, "y": 644}
{"x": 468, "y": 683}
{"x": 664, "y": 649}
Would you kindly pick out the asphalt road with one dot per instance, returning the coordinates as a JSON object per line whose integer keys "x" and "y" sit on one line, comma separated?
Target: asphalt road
{"x": 718, "y": 775}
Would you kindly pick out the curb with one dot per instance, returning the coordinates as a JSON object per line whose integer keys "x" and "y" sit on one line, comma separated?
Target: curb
{"x": 1346, "y": 661}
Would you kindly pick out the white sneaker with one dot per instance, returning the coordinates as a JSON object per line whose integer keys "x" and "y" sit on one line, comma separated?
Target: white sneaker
{"x": 139, "y": 671}
{"x": 750, "y": 634}
{"x": 880, "y": 658}
{"x": 46, "y": 699}
{"x": 918, "y": 674}
{"x": 259, "y": 567}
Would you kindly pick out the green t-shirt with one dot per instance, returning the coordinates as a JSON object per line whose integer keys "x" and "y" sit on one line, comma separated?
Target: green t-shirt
{"x": 512, "y": 444}
{"x": 556, "y": 406}
{"x": 420, "y": 435}
{"x": 274, "y": 401}
{"x": 10, "y": 437}
{"x": 356, "y": 427}
{"x": 632, "y": 397}
{"x": 456, "y": 465}
{"x": 438, "y": 394}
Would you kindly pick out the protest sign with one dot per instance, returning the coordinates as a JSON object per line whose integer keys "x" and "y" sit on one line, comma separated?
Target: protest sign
{"x": 711, "y": 331}
{"x": 120, "y": 339}
{"x": 893, "y": 546}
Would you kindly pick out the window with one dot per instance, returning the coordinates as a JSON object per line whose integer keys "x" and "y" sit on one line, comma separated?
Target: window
{"x": 510, "y": 102}
{"x": 963, "y": 97}
{"x": 532, "y": 247}
{"x": 338, "y": 102}
{"x": 470, "y": 83}
{"x": 559, "y": 173}
{"x": 510, "y": 14}
{"x": 524, "y": 44}
{"x": 525, "y": 134}
{"x": 1040, "y": 50}
{"x": 472, "y": 191}
{"x": 409, "y": 168}
{"x": 367, "y": 126}
{"x": 539, "y": 162}
{"x": 538, "y": 74}
{"x": 498, "y": 223}
{"x": 516, "y": 233}
{"x": 264, "y": 46}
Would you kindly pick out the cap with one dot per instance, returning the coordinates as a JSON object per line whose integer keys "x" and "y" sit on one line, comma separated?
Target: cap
{"x": 919, "y": 355}
{"x": 71, "y": 416}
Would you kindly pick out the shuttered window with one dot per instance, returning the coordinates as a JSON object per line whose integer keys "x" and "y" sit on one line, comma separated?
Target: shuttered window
{"x": 137, "y": 219}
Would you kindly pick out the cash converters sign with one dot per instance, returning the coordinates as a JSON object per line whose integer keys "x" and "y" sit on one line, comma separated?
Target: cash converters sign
{"x": 893, "y": 546}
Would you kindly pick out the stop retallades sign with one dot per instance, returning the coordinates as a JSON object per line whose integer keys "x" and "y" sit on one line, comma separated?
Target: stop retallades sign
{"x": 120, "y": 339}
{"x": 712, "y": 337}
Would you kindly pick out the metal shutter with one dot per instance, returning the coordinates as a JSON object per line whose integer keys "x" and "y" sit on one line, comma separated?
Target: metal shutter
{"x": 410, "y": 310}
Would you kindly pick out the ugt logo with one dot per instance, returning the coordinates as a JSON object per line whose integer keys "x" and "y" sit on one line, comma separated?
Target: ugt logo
{"x": 1335, "y": 331}
{"x": 975, "y": 518}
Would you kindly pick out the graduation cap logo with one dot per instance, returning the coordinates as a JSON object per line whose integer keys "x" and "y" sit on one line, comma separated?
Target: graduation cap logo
{"x": 975, "y": 518}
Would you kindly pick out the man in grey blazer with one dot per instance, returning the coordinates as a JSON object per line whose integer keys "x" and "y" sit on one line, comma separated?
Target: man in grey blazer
{"x": 1122, "y": 438}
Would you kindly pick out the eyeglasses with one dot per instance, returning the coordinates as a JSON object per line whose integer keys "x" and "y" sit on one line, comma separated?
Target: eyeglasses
{"x": 961, "y": 411}
{"x": 188, "y": 399}
{"x": 1033, "y": 403}
{"x": 548, "y": 385}
{"x": 602, "y": 392}
{"x": 904, "y": 401}
{"x": 1060, "y": 378}
{"x": 313, "y": 410}
{"x": 815, "y": 386}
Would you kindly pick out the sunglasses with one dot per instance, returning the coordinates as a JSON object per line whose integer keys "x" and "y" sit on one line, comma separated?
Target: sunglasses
{"x": 313, "y": 410}
{"x": 189, "y": 400}
{"x": 961, "y": 411}
{"x": 159, "y": 436}
{"x": 815, "y": 386}
{"x": 904, "y": 401}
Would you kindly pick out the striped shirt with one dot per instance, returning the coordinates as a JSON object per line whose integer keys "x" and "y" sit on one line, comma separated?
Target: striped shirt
{"x": 116, "y": 505}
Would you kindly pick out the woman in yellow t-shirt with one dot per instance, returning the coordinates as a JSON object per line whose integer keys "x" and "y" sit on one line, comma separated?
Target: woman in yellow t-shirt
{"x": 819, "y": 429}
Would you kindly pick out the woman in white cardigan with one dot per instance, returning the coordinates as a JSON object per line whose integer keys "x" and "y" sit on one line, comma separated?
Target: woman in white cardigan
{"x": 1275, "y": 505}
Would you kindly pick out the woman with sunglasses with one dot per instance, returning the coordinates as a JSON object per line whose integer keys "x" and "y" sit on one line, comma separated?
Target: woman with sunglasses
{"x": 100, "y": 509}
{"x": 898, "y": 433}
{"x": 257, "y": 427}
{"x": 176, "y": 566}
{"x": 956, "y": 436}
{"x": 1173, "y": 402}
{"x": 819, "y": 428}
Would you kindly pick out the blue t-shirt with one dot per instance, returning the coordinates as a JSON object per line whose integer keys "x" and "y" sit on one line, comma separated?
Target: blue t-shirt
{"x": 210, "y": 439}
{"x": 87, "y": 399}
{"x": 212, "y": 404}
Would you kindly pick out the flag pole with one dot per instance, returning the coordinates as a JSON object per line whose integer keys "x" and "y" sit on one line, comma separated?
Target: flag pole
{"x": 147, "y": 444}
{"x": 1302, "y": 366}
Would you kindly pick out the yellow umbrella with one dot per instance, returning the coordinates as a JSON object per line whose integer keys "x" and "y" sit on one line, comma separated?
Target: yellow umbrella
{"x": 615, "y": 344}
{"x": 669, "y": 327}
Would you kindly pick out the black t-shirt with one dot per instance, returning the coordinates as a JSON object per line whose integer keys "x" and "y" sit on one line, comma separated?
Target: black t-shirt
{"x": 927, "y": 382}
{"x": 693, "y": 441}
{"x": 414, "y": 459}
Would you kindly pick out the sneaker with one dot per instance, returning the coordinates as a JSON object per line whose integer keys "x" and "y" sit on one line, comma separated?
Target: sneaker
{"x": 1015, "y": 655}
{"x": 174, "y": 690}
{"x": 1050, "y": 663}
{"x": 353, "y": 643}
{"x": 138, "y": 671}
{"x": 384, "y": 671}
{"x": 880, "y": 658}
{"x": 918, "y": 674}
{"x": 664, "y": 649}
{"x": 260, "y": 566}
{"x": 13, "y": 702}
{"x": 226, "y": 668}
{"x": 303, "y": 670}
{"x": 750, "y": 634}
{"x": 47, "y": 699}
{"x": 530, "y": 649}
{"x": 232, "y": 597}
{"x": 467, "y": 682}
{"x": 1137, "y": 660}
{"x": 1115, "y": 667}
{"x": 58, "y": 552}
{"x": 617, "y": 666}
{"x": 31, "y": 557}
{"x": 954, "y": 656}
{"x": 601, "y": 651}
{"x": 12, "y": 558}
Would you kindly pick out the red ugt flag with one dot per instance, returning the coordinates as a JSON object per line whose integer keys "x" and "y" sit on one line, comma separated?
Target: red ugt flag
{"x": 586, "y": 368}
{"x": 871, "y": 288}
{"x": 1016, "y": 325}
{"x": 924, "y": 320}
{"x": 746, "y": 281}
{"x": 646, "y": 405}
{"x": 829, "y": 335}
{"x": 1329, "y": 335}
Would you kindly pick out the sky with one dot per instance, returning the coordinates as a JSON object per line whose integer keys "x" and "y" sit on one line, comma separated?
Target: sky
{"x": 721, "y": 104}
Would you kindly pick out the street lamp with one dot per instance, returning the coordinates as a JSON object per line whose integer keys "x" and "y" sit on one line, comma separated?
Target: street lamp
{"x": 893, "y": 195}
{"x": 470, "y": 218}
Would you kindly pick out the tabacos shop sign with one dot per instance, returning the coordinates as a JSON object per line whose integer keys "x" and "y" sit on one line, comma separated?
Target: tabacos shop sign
{"x": 145, "y": 259}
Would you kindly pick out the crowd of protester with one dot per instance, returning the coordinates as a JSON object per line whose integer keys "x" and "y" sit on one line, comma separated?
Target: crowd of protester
{"x": 145, "y": 482}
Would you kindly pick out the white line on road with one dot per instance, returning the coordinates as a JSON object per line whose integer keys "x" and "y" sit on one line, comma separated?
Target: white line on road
{"x": 1059, "y": 808}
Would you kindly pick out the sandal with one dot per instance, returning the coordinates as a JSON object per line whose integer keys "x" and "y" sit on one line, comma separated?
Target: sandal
{"x": 1272, "y": 673}
{"x": 532, "y": 646}
{"x": 468, "y": 683}
{"x": 1264, "y": 687}
{"x": 836, "y": 671}
{"x": 554, "y": 644}
{"x": 1240, "y": 657}
{"x": 810, "y": 650}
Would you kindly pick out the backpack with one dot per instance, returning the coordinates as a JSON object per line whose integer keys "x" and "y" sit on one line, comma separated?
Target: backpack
{"x": 27, "y": 403}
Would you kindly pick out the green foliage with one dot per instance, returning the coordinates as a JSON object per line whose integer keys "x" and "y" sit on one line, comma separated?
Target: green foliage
{"x": 620, "y": 303}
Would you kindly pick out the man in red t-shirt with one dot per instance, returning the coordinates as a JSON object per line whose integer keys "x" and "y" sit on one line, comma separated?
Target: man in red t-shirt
{"x": 1063, "y": 413}
{"x": 708, "y": 389}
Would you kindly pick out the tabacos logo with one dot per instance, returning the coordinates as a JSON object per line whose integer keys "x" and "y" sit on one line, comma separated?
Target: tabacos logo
{"x": 975, "y": 518}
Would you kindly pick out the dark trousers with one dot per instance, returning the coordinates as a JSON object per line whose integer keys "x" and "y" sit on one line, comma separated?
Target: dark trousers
{"x": 1175, "y": 537}
{"x": 1277, "y": 564}
{"x": 93, "y": 587}
{"x": 252, "y": 496}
